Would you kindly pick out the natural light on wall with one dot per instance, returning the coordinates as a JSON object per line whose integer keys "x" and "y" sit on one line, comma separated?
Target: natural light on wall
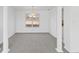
{"x": 32, "y": 19}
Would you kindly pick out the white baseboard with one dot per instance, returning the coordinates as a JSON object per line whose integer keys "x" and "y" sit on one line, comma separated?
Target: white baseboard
{"x": 66, "y": 49}
{"x": 59, "y": 50}
{"x": 11, "y": 35}
{"x": 53, "y": 35}
{"x": 32, "y": 32}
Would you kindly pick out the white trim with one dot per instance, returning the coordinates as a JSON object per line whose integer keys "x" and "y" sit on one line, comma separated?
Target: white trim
{"x": 32, "y": 32}
{"x": 11, "y": 35}
{"x": 53, "y": 35}
{"x": 5, "y": 30}
{"x": 66, "y": 49}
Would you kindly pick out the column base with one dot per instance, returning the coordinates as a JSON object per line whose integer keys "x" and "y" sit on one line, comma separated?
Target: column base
{"x": 59, "y": 50}
{"x": 5, "y": 51}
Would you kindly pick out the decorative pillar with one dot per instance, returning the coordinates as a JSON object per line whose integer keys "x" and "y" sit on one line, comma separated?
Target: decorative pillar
{"x": 5, "y": 30}
{"x": 59, "y": 29}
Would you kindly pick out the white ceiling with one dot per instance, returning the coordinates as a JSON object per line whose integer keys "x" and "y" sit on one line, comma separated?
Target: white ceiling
{"x": 36, "y": 7}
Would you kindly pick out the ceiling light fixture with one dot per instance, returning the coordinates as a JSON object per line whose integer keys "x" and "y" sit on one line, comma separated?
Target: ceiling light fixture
{"x": 34, "y": 13}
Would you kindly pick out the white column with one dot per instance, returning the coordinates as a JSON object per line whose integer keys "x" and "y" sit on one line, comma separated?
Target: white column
{"x": 59, "y": 29}
{"x": 5, "y": 30}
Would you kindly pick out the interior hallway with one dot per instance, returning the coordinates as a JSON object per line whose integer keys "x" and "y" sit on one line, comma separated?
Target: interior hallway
{"x": 32, "y": 43}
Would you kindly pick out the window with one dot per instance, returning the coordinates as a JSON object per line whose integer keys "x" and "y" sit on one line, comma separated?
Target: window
{"x": 32, "y": 21}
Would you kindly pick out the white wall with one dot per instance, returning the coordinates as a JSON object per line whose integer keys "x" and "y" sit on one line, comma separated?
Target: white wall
{"x": 1, "y": 24}
{"x": 11, "y": 21}
{"x": 20, "y": 22}
{"x": 74, "y": 29}
{"x": 71, "y": 28}
{"x": 47, "y": 22}
{"x": 53, "y": 22}
{"x": 67, "y": 27}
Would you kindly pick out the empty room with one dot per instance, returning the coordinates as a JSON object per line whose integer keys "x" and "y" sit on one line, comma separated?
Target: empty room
{"x": 39, "y": 29}
{"x": 32, "y": 29}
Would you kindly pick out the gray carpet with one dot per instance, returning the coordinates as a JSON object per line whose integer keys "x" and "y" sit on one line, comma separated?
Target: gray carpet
{"x": 32, "y": 43}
